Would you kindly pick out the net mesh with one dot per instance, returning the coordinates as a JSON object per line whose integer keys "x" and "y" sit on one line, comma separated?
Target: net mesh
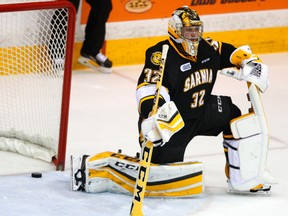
{"x": 32, "y": 52}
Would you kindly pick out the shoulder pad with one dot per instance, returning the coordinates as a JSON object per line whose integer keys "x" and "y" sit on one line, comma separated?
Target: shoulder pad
{"x": 213, "y": 43}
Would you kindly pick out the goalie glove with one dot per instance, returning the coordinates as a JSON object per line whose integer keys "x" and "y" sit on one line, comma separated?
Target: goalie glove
{"x": 252, "y": 70}
{"x": 160, "y": 127}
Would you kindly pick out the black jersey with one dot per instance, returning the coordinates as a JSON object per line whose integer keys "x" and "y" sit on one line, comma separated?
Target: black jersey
{"x": 189, "y": 83}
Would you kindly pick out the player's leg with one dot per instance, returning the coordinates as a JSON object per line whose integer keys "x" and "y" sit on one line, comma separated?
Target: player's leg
{"x": 247, "y": 153}
{"x": 218, "y": 113}
{"x": 116, "y": 173}
{"x": 75, "y": 3}
{"x": 242, "y": 170}
{"x": 95, "y": 35}
{"x": 243, "y": 158}
{"x": 174, "y": 149}
{"x": 96, "y": 26}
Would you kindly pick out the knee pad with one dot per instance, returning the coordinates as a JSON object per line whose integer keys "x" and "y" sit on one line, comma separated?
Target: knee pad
{"x": 245, "y": 126}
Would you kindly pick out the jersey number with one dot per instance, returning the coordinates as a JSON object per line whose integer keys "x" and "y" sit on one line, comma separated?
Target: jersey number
{"x": 198, "y": 99}
{"x": 151, "y": 76}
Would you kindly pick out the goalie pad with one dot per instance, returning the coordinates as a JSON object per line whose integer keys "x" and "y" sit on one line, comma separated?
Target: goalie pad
{"x": 116, "y": 173}
{"x": 245, "y": 126}
{"x": 245, "y": 158}
{"x": 160, "y": 127}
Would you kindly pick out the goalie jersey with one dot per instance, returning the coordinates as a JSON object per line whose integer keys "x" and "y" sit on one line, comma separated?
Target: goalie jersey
{"x": 188, "y": 81}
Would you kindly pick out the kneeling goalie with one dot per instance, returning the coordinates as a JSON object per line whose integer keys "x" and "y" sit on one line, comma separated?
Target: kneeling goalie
{"x": 188, "y": 109}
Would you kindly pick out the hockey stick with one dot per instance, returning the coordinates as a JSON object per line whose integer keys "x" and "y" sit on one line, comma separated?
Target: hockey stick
{"x": 147, "y": 148}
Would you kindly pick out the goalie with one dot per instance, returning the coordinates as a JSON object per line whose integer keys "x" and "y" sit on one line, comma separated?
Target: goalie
{"x": 188, "y": 109}
{"x": 190, "y": 72}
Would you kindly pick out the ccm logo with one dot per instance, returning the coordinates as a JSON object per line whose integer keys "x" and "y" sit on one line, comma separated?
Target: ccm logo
{"x": 162, "y": 116}
{"x": 126, "y": 166}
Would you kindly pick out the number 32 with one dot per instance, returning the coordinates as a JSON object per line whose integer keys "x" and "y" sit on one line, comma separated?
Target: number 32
{"x": 198, "y": 99}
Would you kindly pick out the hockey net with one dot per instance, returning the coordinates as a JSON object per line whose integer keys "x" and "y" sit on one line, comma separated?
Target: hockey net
{"x": 36, "y": 47}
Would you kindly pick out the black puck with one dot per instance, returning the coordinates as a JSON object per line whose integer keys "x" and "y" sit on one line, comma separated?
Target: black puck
{"x": 36, "y": 175}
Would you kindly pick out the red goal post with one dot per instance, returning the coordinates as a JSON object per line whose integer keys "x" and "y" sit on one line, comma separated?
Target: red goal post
{"x": 36, "y": 50}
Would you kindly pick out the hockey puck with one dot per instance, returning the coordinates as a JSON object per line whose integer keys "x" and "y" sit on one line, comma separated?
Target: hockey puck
{"x": 36, "y": 175}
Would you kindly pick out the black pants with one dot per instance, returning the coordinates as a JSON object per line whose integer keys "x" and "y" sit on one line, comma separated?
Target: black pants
{"x": 96, "y": 25}
{"x": 211, "y": 123}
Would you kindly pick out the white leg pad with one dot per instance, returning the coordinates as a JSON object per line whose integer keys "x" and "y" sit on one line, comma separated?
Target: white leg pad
{"x": 244, "y": 160}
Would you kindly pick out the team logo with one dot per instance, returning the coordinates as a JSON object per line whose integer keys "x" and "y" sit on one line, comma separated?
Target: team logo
{"x": 185, "y": 67}
{"x": 138, "y": 6}
{"x": 156, "y": 58}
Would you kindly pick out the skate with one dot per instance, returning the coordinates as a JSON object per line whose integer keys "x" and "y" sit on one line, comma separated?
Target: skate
{"x": 78, "y": 172}
{"x": 98, "y": 63}
{"x": 260, "y": 189}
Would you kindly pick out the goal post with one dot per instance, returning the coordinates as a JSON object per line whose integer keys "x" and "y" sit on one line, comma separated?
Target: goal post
{"x": 36, "y": 53}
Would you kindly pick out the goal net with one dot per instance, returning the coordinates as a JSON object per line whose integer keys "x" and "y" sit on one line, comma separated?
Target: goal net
{"x": 36, "y": 48}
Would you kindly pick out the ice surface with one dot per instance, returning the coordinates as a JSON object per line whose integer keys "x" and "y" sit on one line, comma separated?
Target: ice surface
{"x": 103, "y": 117}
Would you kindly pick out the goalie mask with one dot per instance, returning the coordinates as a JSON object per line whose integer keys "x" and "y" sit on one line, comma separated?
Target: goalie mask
{"x": 185, "y": 29}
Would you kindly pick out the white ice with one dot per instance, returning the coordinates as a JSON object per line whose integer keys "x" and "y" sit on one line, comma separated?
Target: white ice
{"x": 103, "y": 117}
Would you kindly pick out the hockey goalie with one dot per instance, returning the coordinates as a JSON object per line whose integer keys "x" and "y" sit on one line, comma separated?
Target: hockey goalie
{"x": 187, "y": 108}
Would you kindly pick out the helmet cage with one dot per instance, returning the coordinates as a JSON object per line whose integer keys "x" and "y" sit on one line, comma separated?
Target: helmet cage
{"x": 186, "y": 29}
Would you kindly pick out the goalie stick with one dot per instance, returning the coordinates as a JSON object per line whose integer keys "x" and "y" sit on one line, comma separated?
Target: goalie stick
{"x": 147, "y": 148}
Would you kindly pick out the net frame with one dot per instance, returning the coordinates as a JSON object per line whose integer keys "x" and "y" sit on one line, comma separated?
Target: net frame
{"x": 26, "y": 5}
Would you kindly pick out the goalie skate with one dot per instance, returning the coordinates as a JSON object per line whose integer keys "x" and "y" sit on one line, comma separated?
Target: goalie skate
{"x": 261, "y": 189}
{"x": 95, "y": 64}
{"x": 78, "y": 172}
